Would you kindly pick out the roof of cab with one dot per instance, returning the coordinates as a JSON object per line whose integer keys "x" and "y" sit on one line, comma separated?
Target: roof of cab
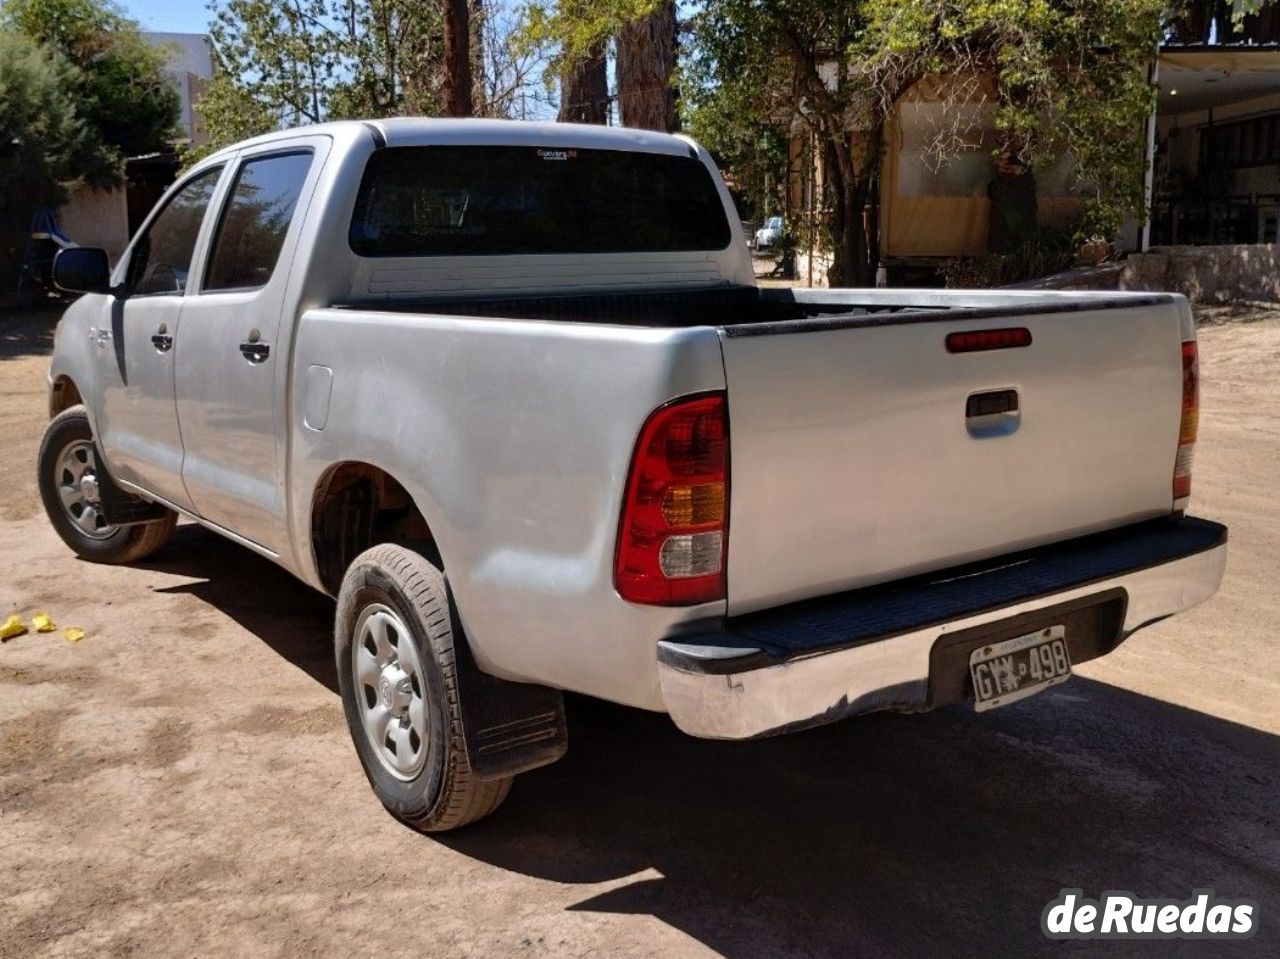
{"x": 423, "y": 131}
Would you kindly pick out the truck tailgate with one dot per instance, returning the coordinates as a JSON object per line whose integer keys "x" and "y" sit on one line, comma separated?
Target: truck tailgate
{"x": 857, "y": 455}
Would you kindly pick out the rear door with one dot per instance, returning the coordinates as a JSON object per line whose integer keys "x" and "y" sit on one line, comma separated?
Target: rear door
{"x": 231, "y": 360}
{"x": 868, "y": 451}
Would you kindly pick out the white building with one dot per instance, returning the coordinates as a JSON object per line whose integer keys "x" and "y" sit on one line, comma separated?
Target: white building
{"x": 190, "y": 70}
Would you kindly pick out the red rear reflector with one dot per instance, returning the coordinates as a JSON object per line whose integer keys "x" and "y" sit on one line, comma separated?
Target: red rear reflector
{"x": 673, "y": 535}
{"x": 1190, "y": 424}
{"x": 975, "y": 341}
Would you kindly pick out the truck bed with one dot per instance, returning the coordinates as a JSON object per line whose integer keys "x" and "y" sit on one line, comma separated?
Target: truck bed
{"x": 861, "y": 448}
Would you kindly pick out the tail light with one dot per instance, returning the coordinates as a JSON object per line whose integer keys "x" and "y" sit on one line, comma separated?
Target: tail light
{"x": 673, "y": 536}
{"x": 1190, "y": 421}
{"x": 977, "y": 341}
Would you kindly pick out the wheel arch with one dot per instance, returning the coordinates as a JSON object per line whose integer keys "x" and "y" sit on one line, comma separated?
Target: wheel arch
{"x": 356, "y": 505}
{"x": 64, "y": 393}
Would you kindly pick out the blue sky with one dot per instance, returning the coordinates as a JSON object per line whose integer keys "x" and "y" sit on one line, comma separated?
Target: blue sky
{"x": 169, "y": 16}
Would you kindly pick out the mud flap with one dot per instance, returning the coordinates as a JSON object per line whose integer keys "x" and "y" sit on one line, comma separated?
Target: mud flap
{"x": 120, "y": 508}
{"x": 509, "y": 727}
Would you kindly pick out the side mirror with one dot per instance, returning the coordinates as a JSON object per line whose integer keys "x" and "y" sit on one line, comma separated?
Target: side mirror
{"x": 82, "y": 269}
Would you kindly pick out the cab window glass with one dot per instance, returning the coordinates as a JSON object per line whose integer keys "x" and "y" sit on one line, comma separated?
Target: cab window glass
{"x": 494, "y": 201}
{"x": 256, "y": 220}
{"x": 161, "y": 257}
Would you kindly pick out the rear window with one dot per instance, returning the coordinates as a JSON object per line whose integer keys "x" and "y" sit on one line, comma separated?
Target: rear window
{"x": 486, "y": 201}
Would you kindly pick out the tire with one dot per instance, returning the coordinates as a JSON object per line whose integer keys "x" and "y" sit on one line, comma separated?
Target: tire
{"x": 393, "y": 694}
{"x": 69, "y": 435}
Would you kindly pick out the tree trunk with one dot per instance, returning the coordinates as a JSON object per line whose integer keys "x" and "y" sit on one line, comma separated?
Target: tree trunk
{"x": 479, "y": 95}
{"x": 457, "y": 58}
{"x": 847, "y": 185}
{"x": 1012, "y": 220}
{"x": 584, "y": 90}
{"x": 646, "y": 63}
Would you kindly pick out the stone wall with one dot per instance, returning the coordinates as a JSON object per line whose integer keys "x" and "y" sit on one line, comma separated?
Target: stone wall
{"x": 821, "y": 261}
{"x": 1208, "y": 274}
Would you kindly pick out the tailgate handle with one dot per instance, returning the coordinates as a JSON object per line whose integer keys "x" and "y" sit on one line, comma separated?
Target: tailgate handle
{"x": 991, "y": 404}
{"x": 993, "y": 413}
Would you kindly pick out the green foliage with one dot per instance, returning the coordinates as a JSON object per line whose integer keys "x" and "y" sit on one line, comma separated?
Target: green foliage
{"x": 572, "y": 28}
{"x": 304, "y": 61}
{"x": 231, "y": 113}
{"x": 1071, "y": 79}
{"x": 749, "y": 145}
{"x": 1049, "y": 251}
{"x": 116, "y": 83}
{"x": 44, "y": 141}
{"x": 1066, "y": 78}
{"x": 788, "y": 68}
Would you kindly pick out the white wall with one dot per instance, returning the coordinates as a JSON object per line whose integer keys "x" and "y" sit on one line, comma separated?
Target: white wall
{"x": 189, "y": 68}
{"x": 97, "y": 218}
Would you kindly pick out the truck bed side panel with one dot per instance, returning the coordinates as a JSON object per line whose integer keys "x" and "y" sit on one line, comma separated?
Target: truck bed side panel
{"x": 514, "y": 438}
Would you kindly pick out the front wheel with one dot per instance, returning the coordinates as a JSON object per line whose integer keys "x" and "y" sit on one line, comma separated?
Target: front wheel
{"x": 69, "y": 478}
{"x": 394, "y": 644}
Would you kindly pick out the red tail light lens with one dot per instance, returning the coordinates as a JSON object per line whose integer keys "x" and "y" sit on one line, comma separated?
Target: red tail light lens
{"x": 978, "y": 341}
{"x": 673, "y": 536}
{"x": 1190, "y": 424}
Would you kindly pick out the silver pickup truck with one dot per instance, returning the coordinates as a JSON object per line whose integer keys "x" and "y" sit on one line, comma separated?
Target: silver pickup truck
{"x": 510, "y": 393}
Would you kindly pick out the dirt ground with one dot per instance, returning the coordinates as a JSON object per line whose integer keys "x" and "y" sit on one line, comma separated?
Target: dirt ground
{"x": 180, "y": 783}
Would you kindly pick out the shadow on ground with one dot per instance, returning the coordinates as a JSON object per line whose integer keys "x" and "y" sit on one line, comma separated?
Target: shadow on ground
{"x": 27, "y": 332}
{"x": 286, "y": 614}
{"x": 936, "y": 835}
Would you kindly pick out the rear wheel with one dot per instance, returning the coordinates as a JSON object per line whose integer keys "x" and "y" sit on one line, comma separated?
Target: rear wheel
{"x": 69, "y": 480}
{"x": 394, "y": 644}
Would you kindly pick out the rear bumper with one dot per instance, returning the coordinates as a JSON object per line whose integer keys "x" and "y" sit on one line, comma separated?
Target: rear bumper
{"x": 904, "y": 646}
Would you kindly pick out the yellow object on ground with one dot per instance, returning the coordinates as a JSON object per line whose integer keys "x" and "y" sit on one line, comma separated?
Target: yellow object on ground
{"x": 43, "y": 623}
{"x": 74, "y": 634}
{"x": 11, "y": 627}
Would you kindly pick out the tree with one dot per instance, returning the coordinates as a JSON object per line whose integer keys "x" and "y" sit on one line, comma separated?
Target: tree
{"x": 751, "y": 147}
{"x": 644, "y": 33}
{"x": 118, "y": 86}
{"x": 646, "y": 66}
{"x": 584, "y": 88}
{"x": 231, "y": 113}
{"x": 793, "y": 66}
{"x": 457, "y": 58}
{"x": 45, "y": 144}
{"x": 1069, "y": 78}
{"x": 306, "y": 61}
{"x": 505, "y": 68}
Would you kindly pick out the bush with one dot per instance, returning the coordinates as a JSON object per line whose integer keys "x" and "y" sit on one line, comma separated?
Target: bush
{"x": 45, "y": 143}
{"x": 1045, "y": 253}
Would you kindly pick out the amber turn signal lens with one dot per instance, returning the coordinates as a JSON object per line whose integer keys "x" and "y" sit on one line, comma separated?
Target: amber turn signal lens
{"x": 699, "y": 505}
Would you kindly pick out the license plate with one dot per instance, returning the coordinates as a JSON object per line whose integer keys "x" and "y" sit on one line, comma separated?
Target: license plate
{"x": 1005, "y": 672}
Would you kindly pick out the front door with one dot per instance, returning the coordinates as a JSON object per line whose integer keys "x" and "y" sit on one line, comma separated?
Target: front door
{"x": 136, "y": 418}
{"x": 231, "y": 362}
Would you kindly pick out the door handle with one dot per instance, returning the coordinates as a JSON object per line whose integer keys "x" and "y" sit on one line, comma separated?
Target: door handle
{"x": 255, "y": 352}
{"x": 161, "y": 340}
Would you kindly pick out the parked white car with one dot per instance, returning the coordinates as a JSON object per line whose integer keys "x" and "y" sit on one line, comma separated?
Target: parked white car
{"x": 509, "y": 392}
{"x": 770, "y": 234}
